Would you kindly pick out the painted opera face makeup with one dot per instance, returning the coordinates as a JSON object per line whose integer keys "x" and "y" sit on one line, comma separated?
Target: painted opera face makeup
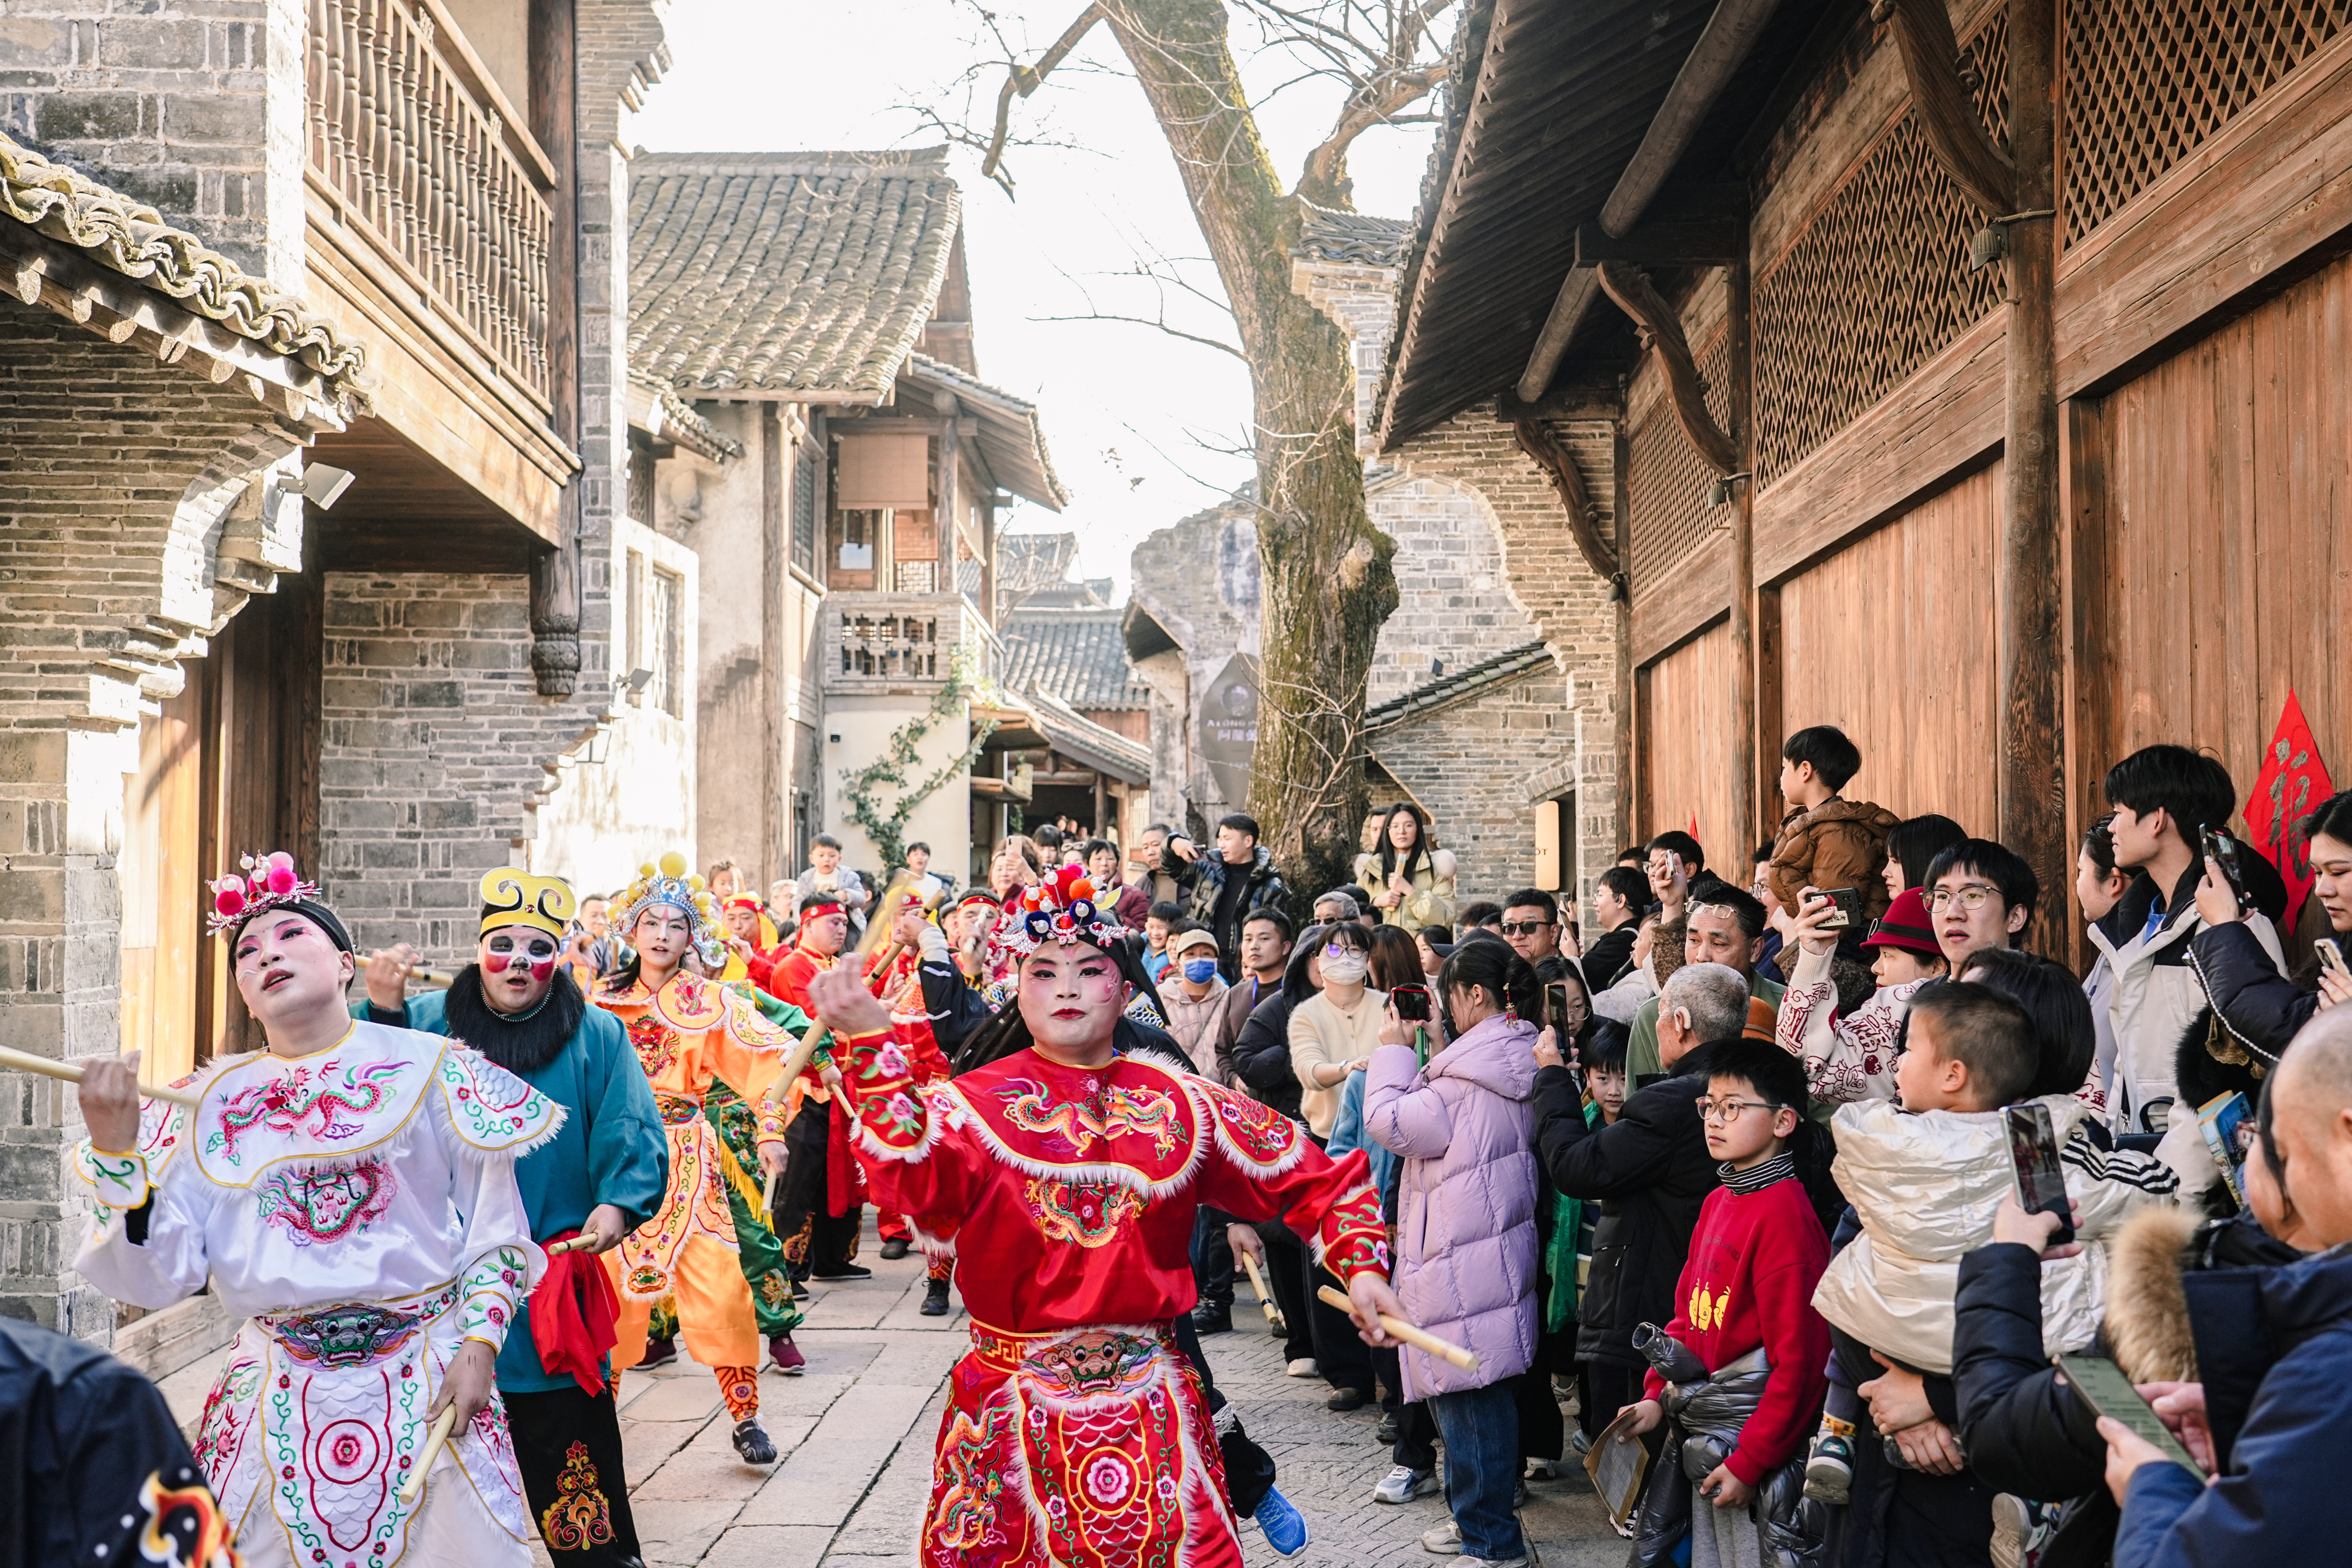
{"x": 518, "y": 966}
{"x": 287, "y": 967}
{"x": 1070, "y": 997}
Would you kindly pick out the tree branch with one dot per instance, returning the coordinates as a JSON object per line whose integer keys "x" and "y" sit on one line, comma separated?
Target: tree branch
{"x": 1025, "y": 81}
{"x": 1148, "y": 321}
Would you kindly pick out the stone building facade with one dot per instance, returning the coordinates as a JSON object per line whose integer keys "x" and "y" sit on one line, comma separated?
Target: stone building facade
{"x": 1486, "y": 570}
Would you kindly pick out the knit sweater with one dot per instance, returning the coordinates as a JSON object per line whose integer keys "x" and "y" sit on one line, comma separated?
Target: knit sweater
{"x": 1321, "y": 1032}
{"x": 1754, "y": 1261}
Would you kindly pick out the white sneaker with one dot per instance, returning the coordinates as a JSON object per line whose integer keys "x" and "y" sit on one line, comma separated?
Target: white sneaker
{"x": 1302, "y": 1367}
{"x": 1403, "y": 1484}
{"x": 1445, "y": 1539}
{"x": 1493, "y": 1563}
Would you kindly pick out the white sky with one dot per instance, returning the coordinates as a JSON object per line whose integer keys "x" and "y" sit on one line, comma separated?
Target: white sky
{"x": 1137, "y": 421}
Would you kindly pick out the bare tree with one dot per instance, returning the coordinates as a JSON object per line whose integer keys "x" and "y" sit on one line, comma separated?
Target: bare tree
{"x": 1326, "y": 569}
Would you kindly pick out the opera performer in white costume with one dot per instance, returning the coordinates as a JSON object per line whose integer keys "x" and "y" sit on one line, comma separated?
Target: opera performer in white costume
{"x": 350, "y": 1195}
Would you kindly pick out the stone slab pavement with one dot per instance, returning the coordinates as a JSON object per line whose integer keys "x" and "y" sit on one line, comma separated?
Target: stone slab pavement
{"x": 855, "y": 1434}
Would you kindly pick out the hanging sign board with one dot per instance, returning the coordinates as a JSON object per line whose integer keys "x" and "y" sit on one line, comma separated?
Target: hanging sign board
{"x": 1228, "y": 720}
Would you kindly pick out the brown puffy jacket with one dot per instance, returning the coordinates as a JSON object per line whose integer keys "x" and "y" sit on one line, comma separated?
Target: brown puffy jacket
{"x": 1838, "y": 844}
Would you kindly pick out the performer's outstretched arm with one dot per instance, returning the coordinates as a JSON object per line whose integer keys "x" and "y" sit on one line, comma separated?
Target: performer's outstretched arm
{"x": 1261, "y": 1165}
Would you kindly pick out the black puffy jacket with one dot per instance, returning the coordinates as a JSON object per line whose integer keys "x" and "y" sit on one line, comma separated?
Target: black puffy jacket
{"x": 1651, "y": 1171}
{"x": 1261, "y": 1056}
{"x": 2261, "y": 1008}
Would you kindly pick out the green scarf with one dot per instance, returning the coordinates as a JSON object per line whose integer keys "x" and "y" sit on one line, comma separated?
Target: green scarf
{"x": 1560, "y": 1252}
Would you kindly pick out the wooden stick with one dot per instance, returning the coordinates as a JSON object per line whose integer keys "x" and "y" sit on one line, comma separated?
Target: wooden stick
{"x": 439, "y": 979}
{"x": 67, "y": 1072}
{"x": 768, "y": 1194}
{"x": 415, "y": 1485}
{"x": 573, "y": 1245}
{"x": 1419, "y": 1339}
{"x": 1265, "y": 1296}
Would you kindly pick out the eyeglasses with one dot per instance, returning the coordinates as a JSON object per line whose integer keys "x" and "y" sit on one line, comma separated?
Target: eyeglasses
{"x": 1524, "y": 928}
{"x": 1971, "y": 897}
{"x": 1729, "y": 1111}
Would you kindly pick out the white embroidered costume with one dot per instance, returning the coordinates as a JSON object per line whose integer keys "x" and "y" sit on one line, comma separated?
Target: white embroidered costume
{"x": 358, "y": 1208}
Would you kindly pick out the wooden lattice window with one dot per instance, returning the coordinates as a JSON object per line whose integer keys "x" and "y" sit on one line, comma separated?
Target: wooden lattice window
{"x": 1874, "y": 285}
{"x": 2148, "y": 81}
{"x": 1669, "y": 481}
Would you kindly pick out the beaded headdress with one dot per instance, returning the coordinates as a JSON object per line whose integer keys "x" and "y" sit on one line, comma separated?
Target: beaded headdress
{"x": 270, "y": 883}
{"x": 1059, "y": 908}
{"x": 666, "y": 881}
{"x": 512, "y": 897}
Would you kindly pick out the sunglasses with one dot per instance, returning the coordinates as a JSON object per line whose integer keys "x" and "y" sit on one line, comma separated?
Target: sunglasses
{"x": 1524, "y": 928}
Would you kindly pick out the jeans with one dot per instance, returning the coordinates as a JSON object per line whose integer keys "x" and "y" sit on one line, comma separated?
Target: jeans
{"x": 1481, "y": 1428}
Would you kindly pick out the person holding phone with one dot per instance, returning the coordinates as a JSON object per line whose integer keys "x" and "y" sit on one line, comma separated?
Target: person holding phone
{"x": 2261, "y": 1008}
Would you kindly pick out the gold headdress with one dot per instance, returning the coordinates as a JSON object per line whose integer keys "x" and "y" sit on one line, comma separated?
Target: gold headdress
{"x": 512, "y": 897}
{"x": 666, "y": 882}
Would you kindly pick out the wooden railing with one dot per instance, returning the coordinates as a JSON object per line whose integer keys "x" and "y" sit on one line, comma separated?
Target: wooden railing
{"x": 408, "y": 139}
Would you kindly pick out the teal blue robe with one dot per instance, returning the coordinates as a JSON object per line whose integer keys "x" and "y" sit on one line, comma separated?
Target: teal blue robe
{"x": 610, "y": 1149}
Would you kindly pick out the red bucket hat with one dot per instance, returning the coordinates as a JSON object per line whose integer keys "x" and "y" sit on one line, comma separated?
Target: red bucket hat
{"x": 1905, "y": 925}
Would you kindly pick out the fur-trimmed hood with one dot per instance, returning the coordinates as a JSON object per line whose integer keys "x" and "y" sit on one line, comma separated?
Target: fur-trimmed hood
{"x": 2147, "y": 1310}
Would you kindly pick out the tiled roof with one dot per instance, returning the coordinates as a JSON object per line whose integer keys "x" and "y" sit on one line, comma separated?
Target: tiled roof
{"x": 131, "y": 238}
{"x": 807, "y": 273}
{"x": 681, "y": 424}
{"x": 1461, "y": 683}
{"x": 1074, "y": 735}
{"x": 1077, "y": 656}
{"x": 1328, "y": 236}
{"x": 1010, "y": 440}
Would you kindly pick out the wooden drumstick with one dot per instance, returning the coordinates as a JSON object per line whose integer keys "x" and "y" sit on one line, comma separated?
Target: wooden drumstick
{"x": 1419, "y": 1339}
{"x": 573, "y": 1245}
{"x": 768, "y": 1194}
{"x": 1265, "y": 1296}
{"x": 438, "y": 979}
{"x": 413, "y": 1487}
{"x": 68, "y": 1072}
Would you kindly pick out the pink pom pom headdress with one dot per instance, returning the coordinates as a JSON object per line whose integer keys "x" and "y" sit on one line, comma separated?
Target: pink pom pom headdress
{"x": 268, "y": 883}
{"x": 1059, "y": 908}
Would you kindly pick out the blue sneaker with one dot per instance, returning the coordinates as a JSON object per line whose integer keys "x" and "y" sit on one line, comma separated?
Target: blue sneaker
{"x": 1285, "y": 1526}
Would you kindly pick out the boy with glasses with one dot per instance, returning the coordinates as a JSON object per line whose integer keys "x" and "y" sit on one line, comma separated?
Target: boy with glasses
{"x": 1746, "y": 1289}
{"x": 1980, "y": 894}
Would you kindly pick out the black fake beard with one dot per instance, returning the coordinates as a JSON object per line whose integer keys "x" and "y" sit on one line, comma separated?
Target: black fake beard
{"x": 519, "y": 1045}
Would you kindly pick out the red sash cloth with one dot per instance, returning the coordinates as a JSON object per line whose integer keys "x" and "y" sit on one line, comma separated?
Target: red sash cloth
{"x": 844, "y": 1180}
{"x": 574, "y": 1317}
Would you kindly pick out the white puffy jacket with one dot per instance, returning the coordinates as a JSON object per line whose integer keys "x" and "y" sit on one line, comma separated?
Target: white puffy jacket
{"x": 1925, "y": 1187}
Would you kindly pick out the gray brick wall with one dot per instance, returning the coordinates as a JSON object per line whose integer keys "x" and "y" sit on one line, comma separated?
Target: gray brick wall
{"x": 193, "y": 106}
{"x": 1468, "y": 765}
{"x": 1454, "y": 605}
{"x": 432, "y": 751}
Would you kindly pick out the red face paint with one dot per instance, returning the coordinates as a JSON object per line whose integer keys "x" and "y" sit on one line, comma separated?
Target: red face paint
{"x": 496, "y": 962}
{"x": 542, "y": 969}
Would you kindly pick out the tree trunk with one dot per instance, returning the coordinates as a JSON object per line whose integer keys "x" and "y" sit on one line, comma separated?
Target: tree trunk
{"x": 1327, "y": 582}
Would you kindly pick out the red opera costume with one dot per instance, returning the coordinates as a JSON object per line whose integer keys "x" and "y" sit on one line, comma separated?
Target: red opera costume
{"x": 1077, "y": 1435}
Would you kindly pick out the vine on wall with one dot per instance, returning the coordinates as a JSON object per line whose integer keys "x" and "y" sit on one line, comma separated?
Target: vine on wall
{"x": 860, "y": 785}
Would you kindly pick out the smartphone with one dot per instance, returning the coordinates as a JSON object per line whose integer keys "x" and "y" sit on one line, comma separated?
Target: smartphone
{"x": 2100, "y": 1385}
{"x": 1555, "y": 1008}
{"x": 2041, "y": 1180}
{"x": 1848, "y": 912}
{"x": 1412, "y": 1002}
{"x": 2223, "y": 851}
{"x": 2332, "y": 956}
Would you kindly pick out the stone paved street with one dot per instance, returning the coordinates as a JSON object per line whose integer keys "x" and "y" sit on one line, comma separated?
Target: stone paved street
{"x": 855, "y": 1434}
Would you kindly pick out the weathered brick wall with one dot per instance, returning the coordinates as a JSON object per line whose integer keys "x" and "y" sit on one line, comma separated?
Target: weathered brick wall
{"x": 1199, "y": 579}
{"x": 1454, "y": 606}
{"x": 120, "y": 470}
{"x": 193, "y": 106}
{"x": 432, "y": 749}
{"x": 1568, "y": 603}
{"x": 1468, "y": 764}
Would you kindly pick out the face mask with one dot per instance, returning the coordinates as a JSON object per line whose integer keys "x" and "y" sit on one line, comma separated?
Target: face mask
{"x": 1345, "y": 967}
{"x": 1199, "y": 970}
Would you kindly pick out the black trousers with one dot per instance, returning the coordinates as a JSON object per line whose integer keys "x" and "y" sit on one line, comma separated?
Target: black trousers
{"x": 1603, "y": 1388}
{"x": 1416, "y": 1443}
{"x": 1344, "y": 1360}
{"x": 814, "y": 1242}
{"x": 1286, "y": 1274}
{"x": 1213, "y": 1259}
{"x": 1249, "y": 1469}
{"x": 568, "y": 1446}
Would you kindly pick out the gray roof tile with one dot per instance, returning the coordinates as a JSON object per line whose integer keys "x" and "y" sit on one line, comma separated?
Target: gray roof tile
{"x": 785, "y": 272}
{"x": 1078, "y": 655}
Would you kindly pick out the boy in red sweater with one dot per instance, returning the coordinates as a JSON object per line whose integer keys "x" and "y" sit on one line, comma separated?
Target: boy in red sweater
{"x": 1755, "y": 1259}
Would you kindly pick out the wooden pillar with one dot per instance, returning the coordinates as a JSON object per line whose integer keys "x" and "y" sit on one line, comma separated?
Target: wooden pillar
{"x": 2030, "y": 794}
{"x": 1631, "y": 828}
{"x": 775, "y": 544}
{"x": 1750, "y": 796}
{"x": 554, "y": 123}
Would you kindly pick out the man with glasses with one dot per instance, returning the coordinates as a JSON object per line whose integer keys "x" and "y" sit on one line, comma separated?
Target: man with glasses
{"x": 1723, "y": 926}
{"x": 1980, "y": 894}
{"x": 1531, "y": 924}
